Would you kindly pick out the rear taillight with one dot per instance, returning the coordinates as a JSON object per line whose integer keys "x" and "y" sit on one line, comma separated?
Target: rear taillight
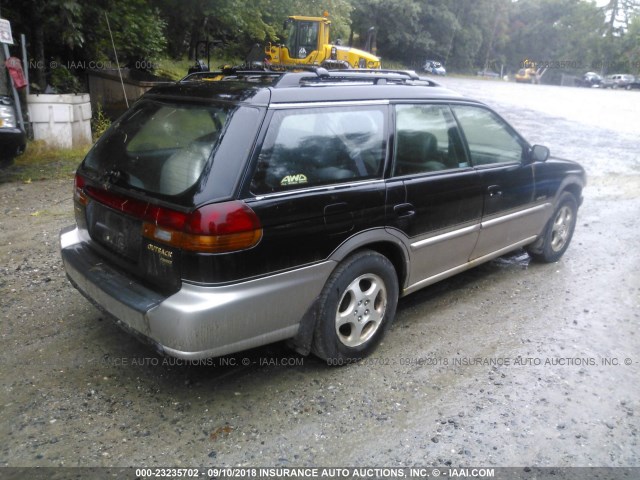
{"x": 78, "y": 190}
{"x": 216, "y": 228}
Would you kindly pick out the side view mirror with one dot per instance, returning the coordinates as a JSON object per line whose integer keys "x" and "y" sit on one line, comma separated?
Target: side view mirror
{"x": 539, "y": 153}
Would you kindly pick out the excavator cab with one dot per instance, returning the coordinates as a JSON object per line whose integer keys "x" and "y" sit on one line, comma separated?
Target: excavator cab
{"x": 303, "y": 37}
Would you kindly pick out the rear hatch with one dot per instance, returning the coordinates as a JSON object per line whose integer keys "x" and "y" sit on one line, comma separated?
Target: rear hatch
{"x": 136, "y": 190}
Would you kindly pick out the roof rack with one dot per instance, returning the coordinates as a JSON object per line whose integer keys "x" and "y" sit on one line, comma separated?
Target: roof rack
{"x": 360, "y": 76}
{"x": 248, "y": 70}
{"x": 283, "y": 76}
{"x": 230, "y": 74}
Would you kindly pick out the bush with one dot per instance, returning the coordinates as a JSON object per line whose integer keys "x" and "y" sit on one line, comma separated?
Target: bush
{"x": 64, "y": 81}
{"x": 100, "y": 123}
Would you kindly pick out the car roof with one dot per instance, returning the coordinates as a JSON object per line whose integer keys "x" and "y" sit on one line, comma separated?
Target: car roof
{"x": 317, "y": 85}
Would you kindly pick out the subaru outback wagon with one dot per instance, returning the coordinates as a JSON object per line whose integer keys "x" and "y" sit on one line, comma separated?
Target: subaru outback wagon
{"x": 218, "y": 216}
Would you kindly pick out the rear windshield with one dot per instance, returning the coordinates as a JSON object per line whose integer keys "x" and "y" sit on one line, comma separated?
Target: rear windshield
{"x": 159, "y": 147}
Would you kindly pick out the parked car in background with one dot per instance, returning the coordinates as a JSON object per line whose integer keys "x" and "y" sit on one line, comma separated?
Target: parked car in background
{"x": 617, "y": 80}
{"x": 434, "y": 68}
{"x": 218, "y": 216}
{"x": 635, "y": 84}
{"x": 12, "y": 138}
{"x": 487, "y": 73}
{"x": 589, "y": 79}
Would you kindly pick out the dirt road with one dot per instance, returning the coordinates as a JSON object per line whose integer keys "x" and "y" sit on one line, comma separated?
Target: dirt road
{"x": 510, "y": 364}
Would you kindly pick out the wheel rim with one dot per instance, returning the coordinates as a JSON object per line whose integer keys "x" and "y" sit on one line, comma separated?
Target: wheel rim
{"x": 361, "y": 310}
{"x": 561, "y": 228}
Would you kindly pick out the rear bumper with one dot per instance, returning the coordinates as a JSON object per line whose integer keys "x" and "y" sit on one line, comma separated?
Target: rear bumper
{"x": 198, "y": 321}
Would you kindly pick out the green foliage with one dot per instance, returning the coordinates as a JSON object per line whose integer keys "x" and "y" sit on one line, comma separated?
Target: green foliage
{"x": 554, "y": 31}
{"x": 64, "y": 81}
{"x": 239, "y": 24}
{"x": 467, "y": 35}
{"x": 100, "y": 123}
{"x": 138, "y": 32}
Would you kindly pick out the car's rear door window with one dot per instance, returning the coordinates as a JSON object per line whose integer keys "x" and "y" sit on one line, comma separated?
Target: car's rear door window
{"x": 320, "y": 146}
{"x": 427, "y": 140}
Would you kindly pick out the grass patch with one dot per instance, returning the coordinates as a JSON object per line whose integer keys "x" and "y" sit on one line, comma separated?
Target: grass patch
{"x": 172, "y": 68}
{"x": 43, "y": 162}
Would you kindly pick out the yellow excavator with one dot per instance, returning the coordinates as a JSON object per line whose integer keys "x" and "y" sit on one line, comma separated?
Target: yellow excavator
{"x": 307, "y": 43}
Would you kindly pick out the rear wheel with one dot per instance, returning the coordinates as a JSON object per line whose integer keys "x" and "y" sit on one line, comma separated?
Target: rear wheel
{"x": 357, "y": 306}
{"x": 558, "y": 232}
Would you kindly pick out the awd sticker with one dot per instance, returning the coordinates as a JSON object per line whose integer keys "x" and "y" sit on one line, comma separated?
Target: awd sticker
{"x": 296, "y": 179}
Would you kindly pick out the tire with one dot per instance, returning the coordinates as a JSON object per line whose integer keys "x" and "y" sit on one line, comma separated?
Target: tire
{"x": 356, "y": 308}
{"x": 558, "y": 232}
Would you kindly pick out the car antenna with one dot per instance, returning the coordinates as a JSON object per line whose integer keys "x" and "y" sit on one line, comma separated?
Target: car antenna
{"x": 126, "y": 101}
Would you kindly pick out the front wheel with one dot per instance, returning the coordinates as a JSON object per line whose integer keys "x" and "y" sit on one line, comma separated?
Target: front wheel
{"x": 559, "y": 231}
{"x": 357, "y": 306}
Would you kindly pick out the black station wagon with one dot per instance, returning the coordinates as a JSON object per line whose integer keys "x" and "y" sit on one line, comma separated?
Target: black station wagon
{"x": 217, "y": 216}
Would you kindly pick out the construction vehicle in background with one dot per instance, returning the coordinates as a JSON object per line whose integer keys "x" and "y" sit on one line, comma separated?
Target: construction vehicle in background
{"x": 531, "y": 73}
{"x": 307, "y": 43}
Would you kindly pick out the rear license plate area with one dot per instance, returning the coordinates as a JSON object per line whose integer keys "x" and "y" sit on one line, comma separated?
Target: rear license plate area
{"x": 117, "y": 232}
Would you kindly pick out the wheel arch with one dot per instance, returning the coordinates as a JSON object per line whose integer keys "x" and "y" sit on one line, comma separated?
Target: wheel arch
{"x": 574, "y": 183}
{"x": 574, "y": 189}
{"x": 381, "y": 241}
{"x": 378, "y": 240}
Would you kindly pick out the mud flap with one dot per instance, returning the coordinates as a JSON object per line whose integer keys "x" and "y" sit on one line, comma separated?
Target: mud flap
{"x": 301, "y": 343}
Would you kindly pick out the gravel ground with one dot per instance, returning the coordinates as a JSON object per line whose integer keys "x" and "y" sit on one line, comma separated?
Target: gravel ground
{"x": 510, "y": 364}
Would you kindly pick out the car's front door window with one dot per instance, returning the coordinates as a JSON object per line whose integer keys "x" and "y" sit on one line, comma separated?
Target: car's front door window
{"x": 489, "y": 139}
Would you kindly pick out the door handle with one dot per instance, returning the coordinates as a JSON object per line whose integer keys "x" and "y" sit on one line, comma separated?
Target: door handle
{"x": 494, "y": 191}
{"x": 404, "y": 210}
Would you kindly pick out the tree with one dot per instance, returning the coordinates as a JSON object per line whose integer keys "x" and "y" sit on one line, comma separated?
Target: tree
{"x": 403, "y": 26}
{"x": 620, "y": 29}
{"x": 76, "y": 33}
{"x": 619, "y": 14}
{"x": 562, "y": 34}
{"x": 137, "y": 28}
{"x": 238, "y": 24}
{"x": 55, "y": 23}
